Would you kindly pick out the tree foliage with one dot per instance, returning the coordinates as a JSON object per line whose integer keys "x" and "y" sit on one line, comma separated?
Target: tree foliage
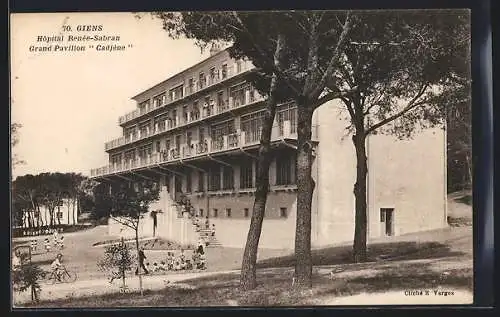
{"x": 14, "y": 140}
{"x": 30, "y": 192}
{"x": 117, "y": 260}
{"x": 27, "y": 277}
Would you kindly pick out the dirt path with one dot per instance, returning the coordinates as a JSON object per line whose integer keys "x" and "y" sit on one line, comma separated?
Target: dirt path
{"x": 94, "y": 287}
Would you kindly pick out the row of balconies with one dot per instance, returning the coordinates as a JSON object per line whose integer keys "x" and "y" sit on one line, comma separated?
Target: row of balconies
{"x": 188, "y": 118}
{"x": 188, "y": 91}
{"x": 207, "y": 146}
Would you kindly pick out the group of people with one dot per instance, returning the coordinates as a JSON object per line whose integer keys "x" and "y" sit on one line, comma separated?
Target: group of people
{"x": 57, "y": 242}
{"x": 198, "y": 223}
{"x": 174, "y": 262}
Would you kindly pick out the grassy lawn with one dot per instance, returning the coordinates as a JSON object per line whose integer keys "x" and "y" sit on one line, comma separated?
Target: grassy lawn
{"x": 275, "y": 288}
{"x": 436, "y": 259}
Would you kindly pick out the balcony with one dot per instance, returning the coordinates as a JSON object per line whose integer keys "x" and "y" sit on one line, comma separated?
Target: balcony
{"x": 209, "y": 83}
{"x": 208, "y": 111}
{"x": 200, "y": 149}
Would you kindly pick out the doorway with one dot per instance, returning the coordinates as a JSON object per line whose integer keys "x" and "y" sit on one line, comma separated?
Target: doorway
{"x": 387, "y": 221}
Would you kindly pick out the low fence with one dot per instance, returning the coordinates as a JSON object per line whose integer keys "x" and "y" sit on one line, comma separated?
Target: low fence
{"x": 47, "y": 230}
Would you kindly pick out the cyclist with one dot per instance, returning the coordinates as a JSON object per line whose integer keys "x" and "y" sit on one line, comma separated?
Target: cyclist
{"x": 57, "y": 267}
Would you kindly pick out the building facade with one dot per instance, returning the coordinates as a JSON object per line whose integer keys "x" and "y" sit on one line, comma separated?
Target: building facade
{"x": 66, "y": 213}
{"x": 197, "y": 135}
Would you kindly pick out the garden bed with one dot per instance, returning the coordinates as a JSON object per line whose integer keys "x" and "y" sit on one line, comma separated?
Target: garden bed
{"x": 149, "y": 244}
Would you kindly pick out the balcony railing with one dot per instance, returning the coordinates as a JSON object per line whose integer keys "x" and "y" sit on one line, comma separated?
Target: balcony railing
{"x": 245, "y": 66}
{"x": 207, "y": 111}
{"x": 196, "y": 149}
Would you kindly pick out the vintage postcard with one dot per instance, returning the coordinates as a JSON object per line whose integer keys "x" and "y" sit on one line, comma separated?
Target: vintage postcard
{"x": 291, "y": 158}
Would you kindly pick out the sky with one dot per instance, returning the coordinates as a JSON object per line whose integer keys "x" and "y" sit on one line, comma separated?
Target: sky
{"x": 69, "y": 102}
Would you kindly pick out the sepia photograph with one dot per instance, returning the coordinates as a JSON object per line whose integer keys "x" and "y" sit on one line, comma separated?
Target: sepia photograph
{"x": 241, "y": 158}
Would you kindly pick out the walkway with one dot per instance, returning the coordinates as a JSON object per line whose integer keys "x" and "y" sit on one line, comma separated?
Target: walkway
{"x": 81, "y": 288}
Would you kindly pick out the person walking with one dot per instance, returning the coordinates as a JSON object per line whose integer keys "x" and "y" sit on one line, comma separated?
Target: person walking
{"x": 141, "y": 262}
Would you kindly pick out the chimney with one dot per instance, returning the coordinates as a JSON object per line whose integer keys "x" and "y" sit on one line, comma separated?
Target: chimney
{"x": 214, "y": 49}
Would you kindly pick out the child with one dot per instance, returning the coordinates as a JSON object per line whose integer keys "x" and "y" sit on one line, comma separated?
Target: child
{"x": 156, "y": 268}
{"x": 182, "y": 259}
{"x": 47, "y": 245}
{"x": 170, "y": 262}
{"x": 162, "y": 266}
{"x": 202, "y": 264}
{"x": 61, "y": 243}
{"x": 34, "y": 245}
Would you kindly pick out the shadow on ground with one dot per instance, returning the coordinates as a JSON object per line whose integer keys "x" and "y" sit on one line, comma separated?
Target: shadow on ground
{"x": 387, "y": 251}
{"x": 275, "y": 288}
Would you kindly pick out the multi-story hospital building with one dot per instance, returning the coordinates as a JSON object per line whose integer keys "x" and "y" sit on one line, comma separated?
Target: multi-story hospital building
{"x": 197, "y": 134}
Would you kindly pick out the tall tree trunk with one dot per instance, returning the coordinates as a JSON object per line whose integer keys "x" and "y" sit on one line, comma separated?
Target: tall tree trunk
{"x": 248, "y": 270}
{"x": 469, "y": 169}
{"x": 359, "y": 247}
{"x": 122, "y": 267}
{"x": 69, "y": 207}
{"x": 305, "y": 188}
{"x": 51, "y": 213}
{"x": 248, "y": 278}
{"x": 139, "y": 268}
{"x": 75, "y": 209}
{"x": 57, "y": 216}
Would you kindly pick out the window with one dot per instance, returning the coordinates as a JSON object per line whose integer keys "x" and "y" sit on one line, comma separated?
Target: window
{"x": 224, "y": 71}
{"x": 228, "y": 212}
{"x": 116, "y": 159}
{"x": 195, "y": 111}
{"x": 144, "y": 106}
{"x": 201, "y": 212}
{"x": 238, "y": 93}
{"x": 285, "y": 169}
{"x": 246, "y": 174}
{"x": 159, "y": 100}
{"x": 215, "y": 212}
{"x": 177, "y": 142}
{"x": 188, "y": 182}
{"x": 227, "y": 177}
{"x": 382, "y": 215}
{"x": 219, "y": 131}
{"x": 284, "y": 113}
{"x": 189, "y": 138}
{"x": 174, "y": 117}
{"x": 145, "y": 151}
{"x": 215, "y": 179}
{"x": 176, "y": 93}
{"x": 201, "y": 135}
{"x": 201, "y": 181}
{"x": 185, "y": 113}
{"x": 212, "y": 75}
{"x": 158, "y": 146}
{"x": 220, "y": 101}
{"x": 144, "y": 129}
{"x": 252, "y": 125}
{"x": 283, "y": 212}
{"x": 238, "y": 66}
{"x": 190, "y": 89}
{"x": 159, "y": 123}
{"x": 202, "y": 81}
{"x": 246, "y": 212}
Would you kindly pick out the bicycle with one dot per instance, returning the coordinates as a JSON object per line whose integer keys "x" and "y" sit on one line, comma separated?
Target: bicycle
{"x": 63, "y": 276}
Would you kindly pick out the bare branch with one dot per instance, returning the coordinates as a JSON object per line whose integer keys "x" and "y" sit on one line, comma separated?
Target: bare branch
{"x": 333, "y": 95}
{"x": 129, "y": 223}
{"x": 336, "y": 52}
{"x": 277, "y": 70}
{"x": 411, "y": 105}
